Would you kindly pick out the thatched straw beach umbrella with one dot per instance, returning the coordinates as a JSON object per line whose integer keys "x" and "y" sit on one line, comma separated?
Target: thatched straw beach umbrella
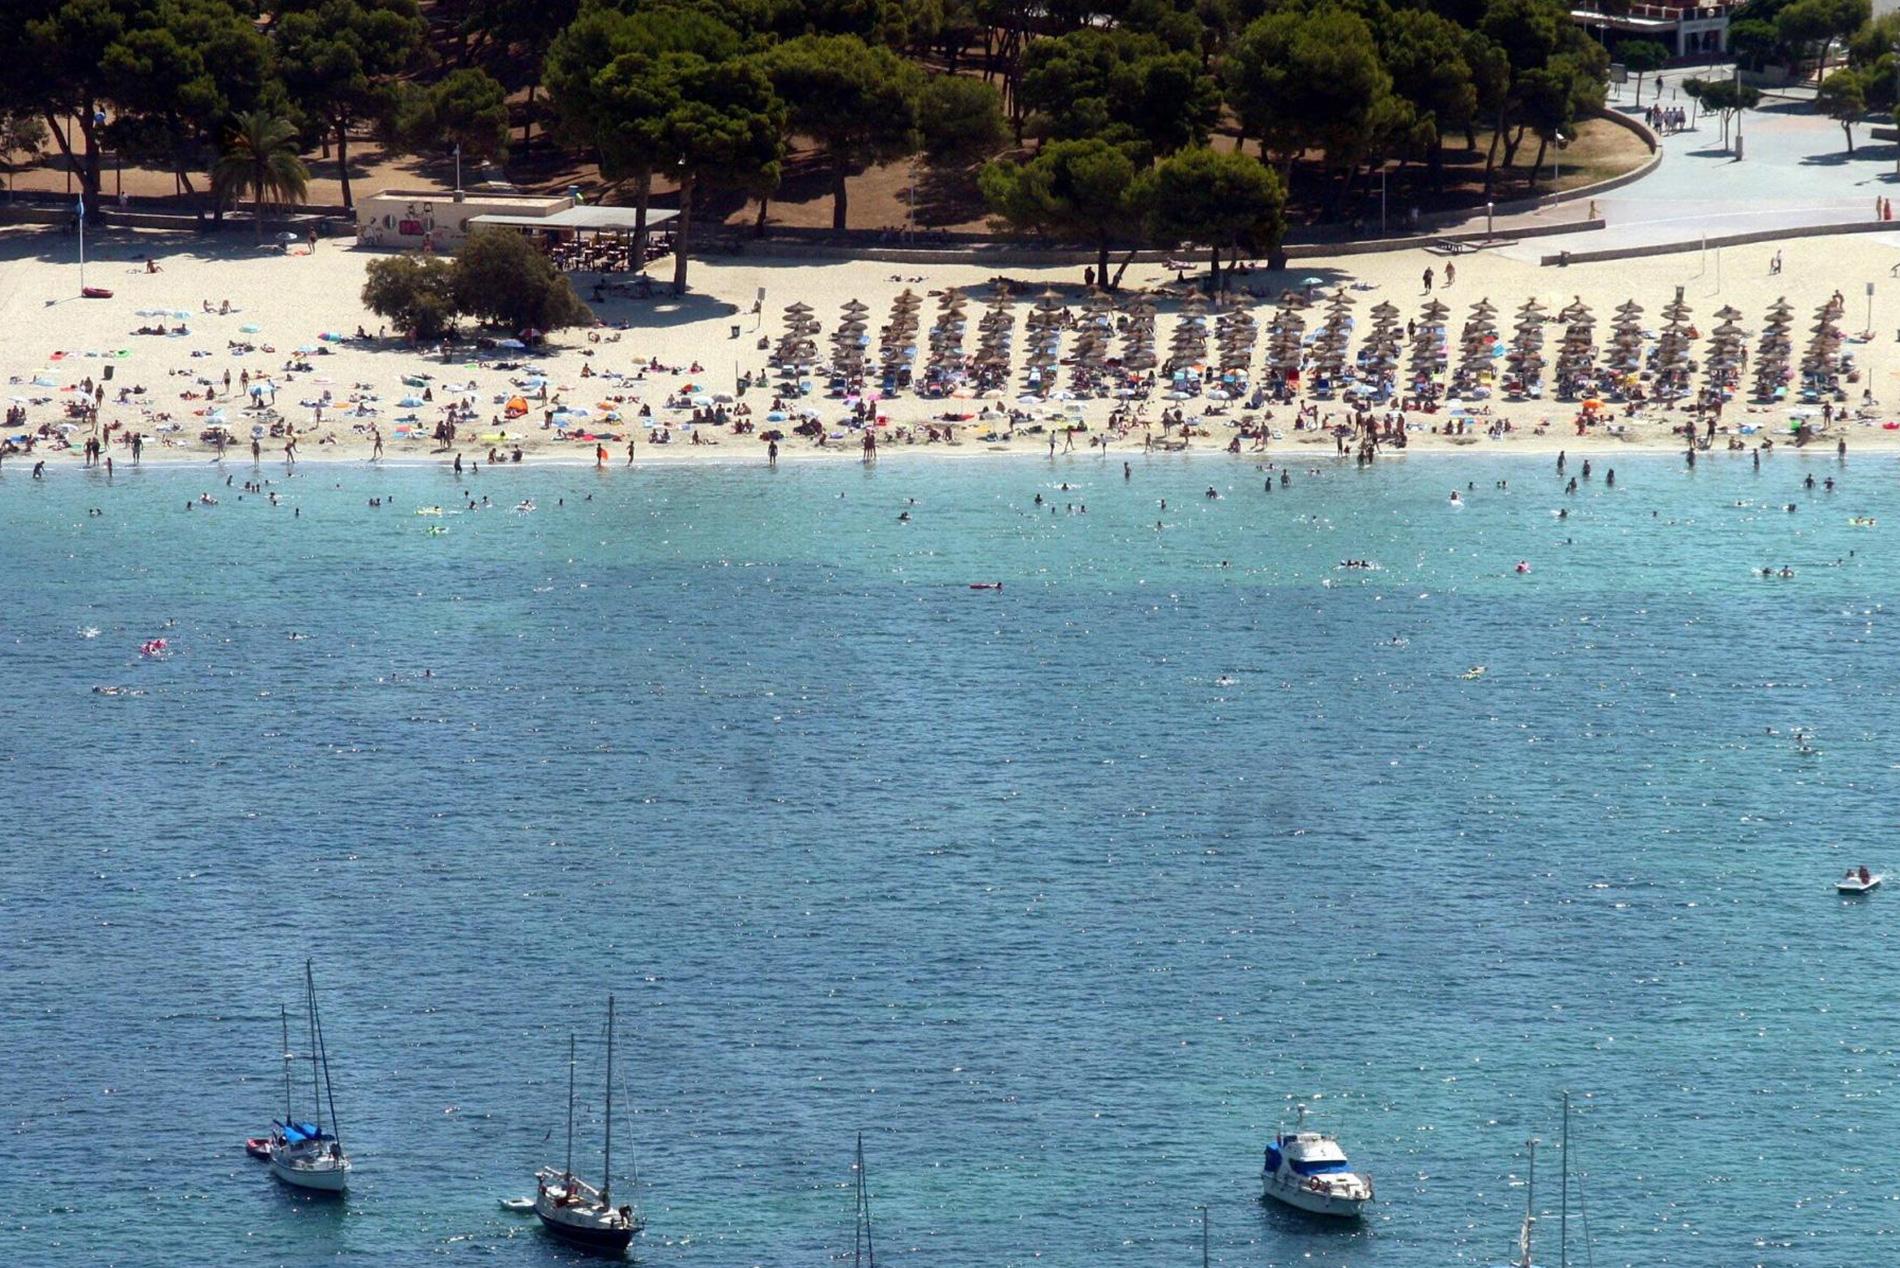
{"x": 1775, "y": 350}
{"x": 1626, "y": 338}
{"x": 1430, "y": 354}
{"x": 1576, "y": 355}
{"x": 1526, "y": 356}
{"x": 1476, "y": 340}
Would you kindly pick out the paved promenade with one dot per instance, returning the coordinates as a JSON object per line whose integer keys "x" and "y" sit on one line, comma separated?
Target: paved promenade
{"x": 1795, "y": 171}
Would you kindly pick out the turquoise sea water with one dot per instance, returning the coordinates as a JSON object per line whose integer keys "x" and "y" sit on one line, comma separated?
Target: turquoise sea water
{"x": 1062, "y": 894}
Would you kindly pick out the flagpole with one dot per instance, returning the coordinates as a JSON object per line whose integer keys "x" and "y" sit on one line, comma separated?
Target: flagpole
{"x": 82, "y": 242}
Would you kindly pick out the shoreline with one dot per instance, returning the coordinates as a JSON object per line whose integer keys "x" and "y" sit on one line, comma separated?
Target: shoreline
{"x": 754, "y": 455}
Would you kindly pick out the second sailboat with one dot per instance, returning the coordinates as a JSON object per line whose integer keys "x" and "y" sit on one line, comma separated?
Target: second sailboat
{"x": 571, "y": 1208}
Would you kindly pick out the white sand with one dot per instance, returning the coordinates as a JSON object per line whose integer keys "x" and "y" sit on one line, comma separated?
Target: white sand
{"x": 293, "y": 299}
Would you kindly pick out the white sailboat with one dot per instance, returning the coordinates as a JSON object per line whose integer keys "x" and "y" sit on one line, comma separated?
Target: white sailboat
{"x": 569, "y": 1207}
{"x": 302, "y": 1154}
{"x": 1525, "y": 1230}
{"x": 1523, "y": 1259}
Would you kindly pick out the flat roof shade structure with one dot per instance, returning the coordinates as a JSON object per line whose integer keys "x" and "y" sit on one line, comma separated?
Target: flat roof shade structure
{"x": 594, "y": 219}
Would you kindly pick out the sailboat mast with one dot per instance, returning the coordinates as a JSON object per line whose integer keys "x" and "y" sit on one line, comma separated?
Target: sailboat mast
{"x": 607, "y": 1154}
{"x": 862, "y": 1252}
{"x": 323, "y": 1053}
{"x": 568, "y": 1170}
{"x": 284, "y": 1015}
{"x": 1563, "y": 1212}
{"x": 310, "y": 1011}
{"x": 1530, "y": 1201}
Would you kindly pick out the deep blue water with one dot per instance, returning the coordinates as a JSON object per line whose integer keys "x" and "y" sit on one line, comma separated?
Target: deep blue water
{"x": 1063, "y": 894}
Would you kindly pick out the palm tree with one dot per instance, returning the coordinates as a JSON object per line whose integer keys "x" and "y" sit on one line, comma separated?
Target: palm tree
{"x": 260, "y": 158}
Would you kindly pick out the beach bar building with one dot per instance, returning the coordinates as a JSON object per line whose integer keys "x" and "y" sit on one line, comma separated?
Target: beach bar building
{"x": 1687, "y": 28}
{"x": 440, "y": 219}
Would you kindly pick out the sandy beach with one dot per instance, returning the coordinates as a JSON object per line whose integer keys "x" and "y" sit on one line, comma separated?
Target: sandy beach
{"x": 303, "y": 310}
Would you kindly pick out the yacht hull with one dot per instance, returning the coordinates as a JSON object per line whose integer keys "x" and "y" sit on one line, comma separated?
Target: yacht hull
{"x": 591, "y": 1235}
{"x": 313, "y": 1179}
{"x": 1313, "y": 1202}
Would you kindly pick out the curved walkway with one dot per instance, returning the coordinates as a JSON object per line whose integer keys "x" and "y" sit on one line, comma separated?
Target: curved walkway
{"x": 1795, "y": 172}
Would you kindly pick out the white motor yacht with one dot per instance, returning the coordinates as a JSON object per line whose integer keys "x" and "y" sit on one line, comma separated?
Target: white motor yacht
{"x": 1309, "y": 1170}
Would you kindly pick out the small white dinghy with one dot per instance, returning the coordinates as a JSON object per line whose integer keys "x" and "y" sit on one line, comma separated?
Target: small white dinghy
{"x": 1859, "y": 881}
